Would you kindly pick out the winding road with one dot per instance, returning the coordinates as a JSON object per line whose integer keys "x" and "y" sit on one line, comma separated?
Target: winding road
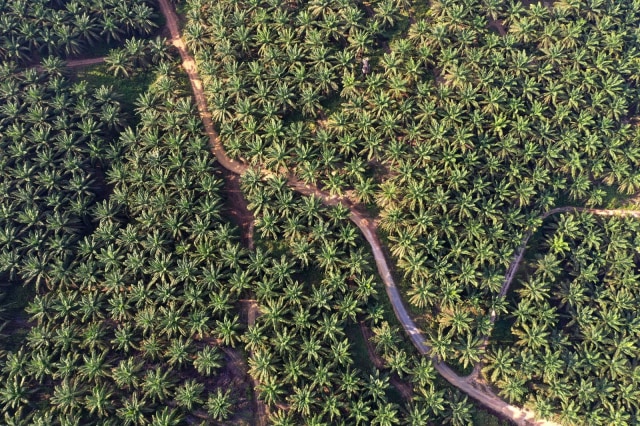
{"x": 367, "y": 226}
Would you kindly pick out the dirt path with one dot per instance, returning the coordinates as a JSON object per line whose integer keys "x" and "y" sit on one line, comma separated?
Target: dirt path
{"x": 513, "y": 268}
{"x": 74, "y": 63}
{"x": 496, "y": 25}
{"x": 77, "y": 63}
{"x": 367, "y": 226}
{"x": 236, "y": 207}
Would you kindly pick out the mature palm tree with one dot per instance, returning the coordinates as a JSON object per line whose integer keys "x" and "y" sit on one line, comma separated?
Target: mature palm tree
{"x": 189, "y": 394}
{"x": 261, "y": 365}
{"x": 125, "y": 374}
{"x": 167, "y": 417}
{"x": 385, "y": 415}
{"x": 66, "y": 397}
{"x": 227, "y": 330}
{"x": 100, "y": 401}
{"x": 15, "y": 392}
{"x": 219, "y": 404}
{"x": 302, "y": 400}
{"x": 207, "y": 360}
{"x": 133, "y": 410}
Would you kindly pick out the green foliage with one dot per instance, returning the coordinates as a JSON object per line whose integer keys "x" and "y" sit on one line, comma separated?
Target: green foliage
{"x": 459, "y": 124}
{"x": 127, "y": 90}
{"x": 124, "y": 315}
{"x": 55, "y": 138}
{"x": 575, "y": 324}
{"x": 137, "y": 55}
{"x": 484, "y": 418}
{"x": 39, "y": 28}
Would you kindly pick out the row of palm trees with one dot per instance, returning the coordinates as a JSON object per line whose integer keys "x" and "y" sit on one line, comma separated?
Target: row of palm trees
{"x": 137, "y": 55}
{"x": 55, "y": 140}
{"x": 302, "y": 354}
{"x": 33, "y": 28}
{"x": 572, "y": 346}
{"x": 500, "y": 142}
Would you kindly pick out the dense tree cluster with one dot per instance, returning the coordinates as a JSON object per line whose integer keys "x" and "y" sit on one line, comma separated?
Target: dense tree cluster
{"x": 573, "y": 347}
{"x": 460, "y": 124}
{"x": 137, "y": 55}
{"x": 55, "y": 141}
{"x": 32, "y": 28}
{"x": 136, "y": 314}
{"x": 271, "y": 69}
{"x": 128, "y": 326}
{"x": 467, "y": 125}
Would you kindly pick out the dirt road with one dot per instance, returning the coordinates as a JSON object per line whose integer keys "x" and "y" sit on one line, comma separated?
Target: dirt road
{"x": 367, "y": 226}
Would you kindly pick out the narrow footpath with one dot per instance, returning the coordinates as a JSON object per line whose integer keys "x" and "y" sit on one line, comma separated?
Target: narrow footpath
{"x": 404, "y": 388}
{"x": 78, "y": 63}
{"x": 261, "y": 412}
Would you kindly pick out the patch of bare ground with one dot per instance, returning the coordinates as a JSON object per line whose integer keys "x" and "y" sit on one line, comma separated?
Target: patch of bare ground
{"x": 236, "y": 207}
{"x": 496, "y": 25}
{"x": 438, "y": 76}
{"x": 18, "y": 322}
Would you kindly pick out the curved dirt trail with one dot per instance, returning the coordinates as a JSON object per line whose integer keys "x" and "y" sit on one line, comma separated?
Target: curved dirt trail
{"x": 367, "y": 226}
{"x": 513, "y": 268}
{"x": 74, "y": 63}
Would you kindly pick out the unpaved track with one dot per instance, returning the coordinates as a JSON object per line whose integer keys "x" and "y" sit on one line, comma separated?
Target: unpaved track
{"x": 261, "y": 414}
{"x": 74, "y": 63}
{"x": 367, "y": 226}
{"x": 513, "y": 268}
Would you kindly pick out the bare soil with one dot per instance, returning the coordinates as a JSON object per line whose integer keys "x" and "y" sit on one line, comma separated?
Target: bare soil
{"x": 497, "y": 25}
{"x": 237, "y": 208}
